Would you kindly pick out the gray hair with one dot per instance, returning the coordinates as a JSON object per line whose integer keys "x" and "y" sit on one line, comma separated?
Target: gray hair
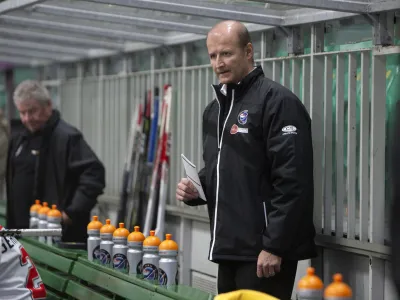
{"x": 31, "y": 89}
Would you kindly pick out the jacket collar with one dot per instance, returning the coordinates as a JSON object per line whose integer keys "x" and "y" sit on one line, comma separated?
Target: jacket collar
{"x": 241, "y": 87}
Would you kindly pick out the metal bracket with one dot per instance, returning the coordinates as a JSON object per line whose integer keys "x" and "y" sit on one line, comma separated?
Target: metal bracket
{"x": 295, "y": 43}
{"x": 383, "y": 28}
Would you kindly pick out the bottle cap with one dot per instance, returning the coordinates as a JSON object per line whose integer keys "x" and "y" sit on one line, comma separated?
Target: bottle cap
{"x": 152, "y": 240}
{"x": 54, "y": 212}
{"x": 95, "y": 224}
{"x": 136, "y": 235}
{"x": 121, "y": 231}
{"x": 310, "y": 281}
{"x": 36, "y": 206}
{"x": 108, "y": 227}
{"x": 338, "y": 288}
{"x": 168, "y": 244}
{"x": 44, "y": 209}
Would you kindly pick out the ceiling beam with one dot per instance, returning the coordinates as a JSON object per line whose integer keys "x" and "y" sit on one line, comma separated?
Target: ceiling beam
{"x": 122, "y": 19}
{"x": 383, "y": 6}
{"x": 306, "y": 16}
{"x": 95, "y": 31}
{"x": 39, "y": 54}
{"x": 10, "y": 5}
{"x": 17, "y": 60}
{"x": 211, "y": 10}
{"x": 57, "y": 38}
{"x": 336, "y": 5}
{"x": 42, "y": 46}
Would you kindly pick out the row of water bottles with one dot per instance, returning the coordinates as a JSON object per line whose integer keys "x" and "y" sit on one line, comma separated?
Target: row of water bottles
{"x": 44, "y": 217}
{"x": 132, "y": 253}
{"x": 311, "y": 287}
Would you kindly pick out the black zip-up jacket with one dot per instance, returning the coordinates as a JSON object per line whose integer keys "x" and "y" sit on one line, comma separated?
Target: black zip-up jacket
{"x": 67, "y": 173}
{"x": 258, "y": 174}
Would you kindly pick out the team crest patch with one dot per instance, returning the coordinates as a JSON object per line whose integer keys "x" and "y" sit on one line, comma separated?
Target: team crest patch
{"x": 242, "y": 117}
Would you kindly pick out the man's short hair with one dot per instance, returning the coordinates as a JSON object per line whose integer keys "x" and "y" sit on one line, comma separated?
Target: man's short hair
{"x": 244, "y": 36}
{"x": 31, "y": 90}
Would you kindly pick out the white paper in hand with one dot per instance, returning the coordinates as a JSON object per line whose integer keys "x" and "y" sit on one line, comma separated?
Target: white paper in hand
{"x": 193, "y": 176}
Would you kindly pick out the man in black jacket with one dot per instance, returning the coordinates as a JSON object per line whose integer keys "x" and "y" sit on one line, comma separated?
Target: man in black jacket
{"x": 48, "y": 159}
{"x": 258, "y": 174}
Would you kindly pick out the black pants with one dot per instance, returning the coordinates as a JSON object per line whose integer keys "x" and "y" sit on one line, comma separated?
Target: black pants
{"x": 233, "y": 275}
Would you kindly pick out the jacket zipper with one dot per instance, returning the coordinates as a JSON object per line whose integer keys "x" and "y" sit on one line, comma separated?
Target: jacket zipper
{"x": 218, "y": 161}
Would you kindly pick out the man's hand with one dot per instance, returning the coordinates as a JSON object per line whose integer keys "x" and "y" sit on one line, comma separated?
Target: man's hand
{"x": 268, "y": 264}
{"x": 186, "y": 191}
{"x": 66, "y": 220}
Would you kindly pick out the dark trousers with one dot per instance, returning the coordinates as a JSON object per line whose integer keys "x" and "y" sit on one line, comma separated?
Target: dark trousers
{"x": 233, "y": 275}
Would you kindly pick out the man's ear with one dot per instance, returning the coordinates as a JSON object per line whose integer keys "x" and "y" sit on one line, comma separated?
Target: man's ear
{"x": 249, "y": 51}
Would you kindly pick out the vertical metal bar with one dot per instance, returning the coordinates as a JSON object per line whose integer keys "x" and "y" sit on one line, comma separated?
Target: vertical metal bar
{"x": 286, "y": 73}
{"x": 364, "y": 146}
{"x": 340, "y": 187}
{"x": 175, "y": 154}
{"x": 185, "y": 234}
{"x": 305, "y": 97}
{"x": 317, "y": 114}
{"x": 276, "y": 70}
{"x": 268, "y": 69}
{"x": 79, "y": 94}
{"x": 377, "y": 180}
{"x": 351, "y": 146}
{"x": 263, "y": 37}
{"x": 296, "y": 77}
{"x": 200, "y": 109}
{"x": 376, "y": 278}
{"x": 114, "y": 118}
{"x": 107, "y": 141}
{"x": 328, "y": 115}
{"x": 192, "y": 121}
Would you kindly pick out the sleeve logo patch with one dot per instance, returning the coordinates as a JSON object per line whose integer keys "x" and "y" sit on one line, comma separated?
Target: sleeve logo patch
{"x": 289, "y": 129}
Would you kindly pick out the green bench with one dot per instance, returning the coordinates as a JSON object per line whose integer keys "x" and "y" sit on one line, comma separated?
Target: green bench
{"x": 68, "y": 274}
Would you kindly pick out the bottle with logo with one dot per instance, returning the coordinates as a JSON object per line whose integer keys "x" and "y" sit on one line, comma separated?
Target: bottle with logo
{"x": 54, "y": 219}
{"x": 338, "y": 290}
{"x": 93, "y": 241}
{"x": 34, "y": 219}
{"x": 120, "y": 249}
{"x": 151, "y": 257}
{"x": 135, "y": 251}
{"x": 42, "y": 213}
{"x": 310, "y": 287}
{"x": 106, "y": 244}
{"x": 168, "y": 265}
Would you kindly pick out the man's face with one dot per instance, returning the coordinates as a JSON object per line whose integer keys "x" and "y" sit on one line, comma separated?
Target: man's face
{"x": 34, "y": 114}
{"x": 229, "y": 60}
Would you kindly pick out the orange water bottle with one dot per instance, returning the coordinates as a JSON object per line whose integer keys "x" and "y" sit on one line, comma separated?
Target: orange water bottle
{"x": 42, "y": 213}
{"x": 151, "y": 257}
{"x": 93, "y": 241}
{"x": 54, "y": 218}
{"x": 338, "y": 290}
{"x": 135, "y": 251}
{"x": 106, "y": 244}
{"x": 168, "y": 265}
{"x": 310, "y": 287}
{"x": 120, "y": 249}
{"x": 34, "y": 217}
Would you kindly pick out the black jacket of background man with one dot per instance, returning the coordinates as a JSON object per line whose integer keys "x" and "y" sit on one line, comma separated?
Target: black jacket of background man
{"x": 66, "y": 172}
{"x": 258, "y": 174}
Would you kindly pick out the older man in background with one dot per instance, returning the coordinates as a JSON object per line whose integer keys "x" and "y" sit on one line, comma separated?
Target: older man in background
{"x": 50, "y": 160}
